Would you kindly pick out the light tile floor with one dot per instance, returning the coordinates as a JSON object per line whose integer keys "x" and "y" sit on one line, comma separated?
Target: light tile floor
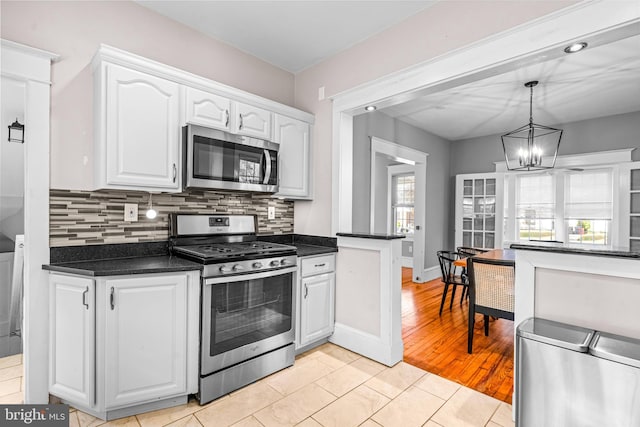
{"x": 328, "y": 386}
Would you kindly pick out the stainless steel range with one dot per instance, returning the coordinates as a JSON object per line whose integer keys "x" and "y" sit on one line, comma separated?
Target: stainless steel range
{"x": 246, "y": 320}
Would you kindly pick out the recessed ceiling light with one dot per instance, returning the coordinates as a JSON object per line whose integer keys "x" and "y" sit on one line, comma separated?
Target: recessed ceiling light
{"x": 575, "y": 47}
{"x": 370, "y": 108}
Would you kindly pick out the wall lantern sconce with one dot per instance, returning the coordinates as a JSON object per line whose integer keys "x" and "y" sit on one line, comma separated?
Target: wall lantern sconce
{"x": 16, "y": 132}
{"x": 532, "y": 146}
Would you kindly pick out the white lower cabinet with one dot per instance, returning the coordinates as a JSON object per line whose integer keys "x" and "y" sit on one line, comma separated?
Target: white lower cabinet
{"x": 122, "y": 345}
{"x": 316, "y": 299}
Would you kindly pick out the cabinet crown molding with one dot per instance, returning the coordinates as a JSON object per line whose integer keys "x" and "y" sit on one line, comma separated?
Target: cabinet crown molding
{"x": 121, "y": 57}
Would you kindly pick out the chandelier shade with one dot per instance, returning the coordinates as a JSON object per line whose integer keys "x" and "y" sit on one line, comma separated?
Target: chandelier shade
{"x": 532, "y": 146}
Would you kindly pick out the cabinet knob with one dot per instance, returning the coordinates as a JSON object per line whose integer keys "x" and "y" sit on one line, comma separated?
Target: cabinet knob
{"x": 240, "y": 126}
{"x": 226, "y": 121}
{"x": 175, "y": 172}
{"x": 112, "y": 299}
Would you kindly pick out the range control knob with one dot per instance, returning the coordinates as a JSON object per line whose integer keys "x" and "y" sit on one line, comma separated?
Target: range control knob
{"x": 238, "y": 267}
{"x": 284, "y": 261}
{"x": 225, "y": 269}
{"x": 257, "y": 265}
{"x": 274, "y": 263}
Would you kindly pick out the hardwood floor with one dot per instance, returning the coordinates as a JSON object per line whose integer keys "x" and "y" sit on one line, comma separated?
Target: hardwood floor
{"x": 438, "y": 344}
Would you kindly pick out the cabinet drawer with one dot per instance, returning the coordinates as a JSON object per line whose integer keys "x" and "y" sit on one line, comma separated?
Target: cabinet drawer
{"x": 318, "y": 265}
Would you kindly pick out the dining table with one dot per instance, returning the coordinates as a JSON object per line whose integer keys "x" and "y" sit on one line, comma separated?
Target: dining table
{"x": 496, "y": 254}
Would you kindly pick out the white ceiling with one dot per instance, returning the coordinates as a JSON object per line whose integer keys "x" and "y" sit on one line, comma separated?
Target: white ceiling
{"x": 293, "y": 35}
{"x": 597, "y": 82}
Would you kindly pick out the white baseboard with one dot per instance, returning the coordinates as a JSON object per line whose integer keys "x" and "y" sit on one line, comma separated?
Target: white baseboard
{"x": 428, "y": 274}
{"x": 367, "y": 345}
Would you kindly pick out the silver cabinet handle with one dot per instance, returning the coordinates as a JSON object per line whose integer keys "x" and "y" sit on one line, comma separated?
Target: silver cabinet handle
{"x": 84, "y": 298}
{"x": 267, "y": 169}
{"x": 226, "y": 122}
{"x": 306, "y": 290}
{"x": 175, "y": 172}
{"x": 112, "y": 299}
{"x": 240, "y": 126}
{"x": 321, "y": 265}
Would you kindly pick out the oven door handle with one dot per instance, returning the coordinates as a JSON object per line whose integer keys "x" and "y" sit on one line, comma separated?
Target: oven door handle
{"x": 250, "y": 276}
{"x": 267, "y": 166}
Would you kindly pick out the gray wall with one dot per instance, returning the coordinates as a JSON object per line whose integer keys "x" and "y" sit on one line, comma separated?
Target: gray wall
{"x": 478, "y": 155}
{"x": 438, "y": 175}
{"x": 605, "y": 133}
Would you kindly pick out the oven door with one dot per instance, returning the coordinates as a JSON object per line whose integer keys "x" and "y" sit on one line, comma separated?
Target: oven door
{"x": 244, "y": 316}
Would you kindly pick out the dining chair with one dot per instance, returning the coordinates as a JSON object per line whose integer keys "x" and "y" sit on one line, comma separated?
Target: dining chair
{"x": 467, "y": 251}
{"x": 491, "y": 292}
{"x": 449, "y": 276}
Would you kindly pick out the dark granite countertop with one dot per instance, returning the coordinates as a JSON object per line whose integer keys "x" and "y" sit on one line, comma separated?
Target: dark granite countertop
{"x": 125, "y": 266}
{"x": 309, "y": 250}
{"x": 573, "y": 249}
{"x": 378, "y": 236}
{"x": 117, "y": 259}
{"x": 306, "y": 245}
{"x": 153, "y": 257}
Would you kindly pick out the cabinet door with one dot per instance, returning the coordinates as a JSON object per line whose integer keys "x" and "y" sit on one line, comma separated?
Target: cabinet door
{"x": 145, "y": 339}
{"x": 294, "y": 156}
{"x": 72, "y": 339}
{"x": 479, "y": 213}
{"x": 317, "y": 307}
{"x": 207, "y": 109}
{"x": 253, "y": 121}
{"x": 142, "y": 130}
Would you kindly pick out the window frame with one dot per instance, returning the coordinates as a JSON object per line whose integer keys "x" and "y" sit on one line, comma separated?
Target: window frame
{"x": 561, "y": 231}
{"x": 393, "y": 206}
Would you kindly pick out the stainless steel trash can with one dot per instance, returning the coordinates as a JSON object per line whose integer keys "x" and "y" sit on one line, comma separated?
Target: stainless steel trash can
{"x": 569, "y": 376}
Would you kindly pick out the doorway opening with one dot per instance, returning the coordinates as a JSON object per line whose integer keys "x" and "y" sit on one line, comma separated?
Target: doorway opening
{"x": 12, "y": 166}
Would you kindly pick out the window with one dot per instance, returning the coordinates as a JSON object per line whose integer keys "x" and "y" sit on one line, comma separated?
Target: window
{"x": 535, "y": 207}
{"x": 570, "y": 206}
{"x": 588, "y": 207}
{"x": 402, "y": 203}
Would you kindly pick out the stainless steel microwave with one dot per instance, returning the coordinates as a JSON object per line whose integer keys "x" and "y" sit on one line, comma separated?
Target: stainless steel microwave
{"x": 214, "y": 159}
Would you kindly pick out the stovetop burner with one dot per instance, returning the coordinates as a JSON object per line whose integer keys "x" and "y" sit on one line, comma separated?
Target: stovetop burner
{"x": 224, "y": 251}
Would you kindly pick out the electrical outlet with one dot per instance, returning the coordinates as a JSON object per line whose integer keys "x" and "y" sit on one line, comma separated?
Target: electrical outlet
{"x": 130, "y": 212}
{"x": 271, "y": 212}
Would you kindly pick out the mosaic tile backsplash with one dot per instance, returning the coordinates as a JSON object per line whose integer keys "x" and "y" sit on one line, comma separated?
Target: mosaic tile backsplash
{"x": 97, "y": 217}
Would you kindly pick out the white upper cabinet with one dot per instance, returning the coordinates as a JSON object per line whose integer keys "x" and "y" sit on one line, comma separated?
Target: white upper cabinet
{"x": 252, "y": 121}
{"x": 207, "y": 109}
{"x": 295, "y": 159}
{"x": 137, "y": 130}
{"x": 141, "y": 105}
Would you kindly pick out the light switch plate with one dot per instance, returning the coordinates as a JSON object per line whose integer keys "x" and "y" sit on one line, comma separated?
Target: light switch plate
{"x": 130, "y": 212}
{"x": 271, "y": 212}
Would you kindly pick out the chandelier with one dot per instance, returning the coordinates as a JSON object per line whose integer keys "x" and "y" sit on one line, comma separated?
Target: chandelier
{"x": 532, "y": 146}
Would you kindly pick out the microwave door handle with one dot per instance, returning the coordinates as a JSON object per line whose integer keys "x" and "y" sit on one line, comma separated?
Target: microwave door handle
{"x": 267, "y": 171}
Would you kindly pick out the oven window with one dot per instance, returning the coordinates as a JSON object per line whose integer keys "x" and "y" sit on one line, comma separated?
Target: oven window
{"x": 249, "y": 311}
